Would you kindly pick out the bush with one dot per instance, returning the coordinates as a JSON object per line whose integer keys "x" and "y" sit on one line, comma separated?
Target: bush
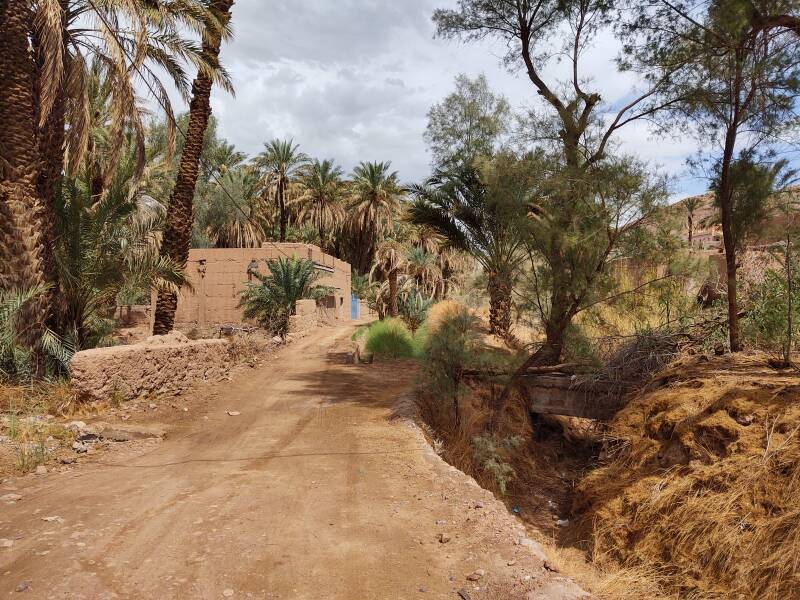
{"x": 390, "y": 338}
{"x": 441, "y": 311}
{"x": 453, "y": 347}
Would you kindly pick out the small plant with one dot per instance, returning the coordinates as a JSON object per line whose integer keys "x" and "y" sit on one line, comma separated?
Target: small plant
{"x": 272, "y": 301}
{"x": 487, "y": 453}
{"x": 414, "y": 310}
{"x": 31, "y": 455}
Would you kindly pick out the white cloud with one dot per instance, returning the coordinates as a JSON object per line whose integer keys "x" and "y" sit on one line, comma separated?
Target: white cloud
{"x": 354, "y": 79}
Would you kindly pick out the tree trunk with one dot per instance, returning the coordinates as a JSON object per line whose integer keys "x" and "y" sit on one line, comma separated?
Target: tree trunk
{"x": 691, "y": 230}
{"x": 729, "y": 238}
{"x": 499, "y": 306}
{"x": 178, "y": 230}
{"x": 283, "y": 215}
{"x": 394, "y": 310}
{"x": 51, "y": 135}
{"x": 23, "y": 221}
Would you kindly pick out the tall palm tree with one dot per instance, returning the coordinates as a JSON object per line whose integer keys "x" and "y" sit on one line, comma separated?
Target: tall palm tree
{"x": 390, "y": 259}
{"x": 235, "y": 215}
{"x": 281, "y": 162}
{"x": 178, "y": 230}
{"x": 320, "y": 197}
{"x": 24, "y": 225}
{"x": 376, "y": 196}
{"x": 424, "y": 269}
{"x": 133, "y": 40}
{"x": 691, "y": 205}
{"x": 457, "y": 205}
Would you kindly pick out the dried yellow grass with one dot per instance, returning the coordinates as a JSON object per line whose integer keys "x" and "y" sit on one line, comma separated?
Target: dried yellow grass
{"x": 705, "y": 481}
{"x": 441, "y": 311}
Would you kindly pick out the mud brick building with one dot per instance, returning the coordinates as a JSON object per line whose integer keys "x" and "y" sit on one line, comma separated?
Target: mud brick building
{"x": 218, "y": 276}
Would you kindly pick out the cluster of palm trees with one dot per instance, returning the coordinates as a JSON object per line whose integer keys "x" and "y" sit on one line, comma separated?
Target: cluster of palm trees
{"x": 284, "y": 195}
{"x": 72, "y": 119}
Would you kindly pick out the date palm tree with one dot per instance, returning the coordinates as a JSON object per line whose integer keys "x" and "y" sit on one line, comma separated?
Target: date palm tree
{"x": 691, "y": 205}
{"x": 321, "y": 197}
{"x": 375, "y": 200}
{"x": 178, "y": 231}
{"x": 457, "y": 205}
{"x": 24, "y": 225}
{"x": 281, "y": 162}
{"x": 390, "y": 259}
{"x": 423, "y": 268}
{"x": 235, "y": 215}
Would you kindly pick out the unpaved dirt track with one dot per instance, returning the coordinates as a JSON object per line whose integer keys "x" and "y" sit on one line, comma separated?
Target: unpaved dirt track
{"x": 313, "y": 492}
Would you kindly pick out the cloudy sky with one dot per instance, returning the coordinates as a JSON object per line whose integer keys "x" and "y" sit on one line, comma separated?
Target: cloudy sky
{"x": 354, "y": 79}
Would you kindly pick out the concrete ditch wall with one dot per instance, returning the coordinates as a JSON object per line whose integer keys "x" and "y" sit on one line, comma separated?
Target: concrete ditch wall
{"x": 162, "y": 365}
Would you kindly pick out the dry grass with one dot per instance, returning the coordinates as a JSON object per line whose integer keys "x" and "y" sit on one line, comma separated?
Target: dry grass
{"x": 441, "y": 311}
{"x": 704, "y": 482}
{"x": 57, "y": 398}
{"x": 26, "y": 422}
{"x": 539, "y": 478}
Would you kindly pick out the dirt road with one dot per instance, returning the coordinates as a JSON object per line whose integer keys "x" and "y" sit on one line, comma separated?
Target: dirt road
{"x": 314, "y": 491}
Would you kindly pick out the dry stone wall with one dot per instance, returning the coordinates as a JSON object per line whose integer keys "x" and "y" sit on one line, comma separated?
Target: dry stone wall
{"x": 161, "y": 365}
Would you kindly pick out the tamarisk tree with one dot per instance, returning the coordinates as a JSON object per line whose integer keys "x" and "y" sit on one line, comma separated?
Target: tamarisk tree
{"x": 577, "y": 130}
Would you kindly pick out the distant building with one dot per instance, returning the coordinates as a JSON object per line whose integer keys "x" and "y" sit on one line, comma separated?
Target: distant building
{"x": 707, "y": 230}
{"x": 219, "y": 275}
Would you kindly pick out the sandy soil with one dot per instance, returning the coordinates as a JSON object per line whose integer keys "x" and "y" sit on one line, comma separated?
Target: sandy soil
{"x": 318, "y": 489}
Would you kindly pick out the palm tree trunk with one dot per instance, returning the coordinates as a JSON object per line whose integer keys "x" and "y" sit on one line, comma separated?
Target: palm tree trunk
{"x": 178, "y": 230}
{"x": 51, "y": 135}
{"x": 394, "y": 309}
{"x": 23, "y": 221}
{"x": 499, "y": 306}
{"x": 284, "y": 217}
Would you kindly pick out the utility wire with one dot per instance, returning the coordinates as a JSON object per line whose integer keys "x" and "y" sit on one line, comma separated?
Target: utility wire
{"x": 158, "y": 99}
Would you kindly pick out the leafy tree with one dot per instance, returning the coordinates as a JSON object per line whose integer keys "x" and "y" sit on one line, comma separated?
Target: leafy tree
{"x": 273, "y": 300}
{"x": 281, "y": 162}
{"x": 178, "y": 230}
{"x": 467, "y": 124}
{"x": 739, "y": 93}
{"x": 571, "y": 132}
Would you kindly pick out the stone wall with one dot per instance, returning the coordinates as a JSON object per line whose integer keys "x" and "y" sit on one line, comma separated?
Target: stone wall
{"x": 162, "y": 365}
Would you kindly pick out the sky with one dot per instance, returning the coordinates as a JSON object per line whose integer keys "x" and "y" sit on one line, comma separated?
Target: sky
{"x": 353, "y": 80}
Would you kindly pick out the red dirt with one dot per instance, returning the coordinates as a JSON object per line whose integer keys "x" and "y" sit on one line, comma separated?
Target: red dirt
{"x": 317, "y": 489}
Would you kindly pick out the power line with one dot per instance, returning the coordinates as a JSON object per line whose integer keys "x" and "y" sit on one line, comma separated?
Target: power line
{"x": 158, "y": 99}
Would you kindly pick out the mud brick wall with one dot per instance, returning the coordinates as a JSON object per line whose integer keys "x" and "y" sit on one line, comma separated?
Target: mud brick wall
{"x": 162, "y": 365}
{"x": 218, "y": 276}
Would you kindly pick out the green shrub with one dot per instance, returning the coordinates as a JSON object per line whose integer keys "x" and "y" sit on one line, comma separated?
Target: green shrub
{"x": 489, "y": 453}
{"x": 390, "y": 338}
{"x": 767, "y": 320}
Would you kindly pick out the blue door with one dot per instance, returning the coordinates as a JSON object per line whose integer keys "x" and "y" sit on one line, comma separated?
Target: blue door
{"x": 354, "y": 308}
